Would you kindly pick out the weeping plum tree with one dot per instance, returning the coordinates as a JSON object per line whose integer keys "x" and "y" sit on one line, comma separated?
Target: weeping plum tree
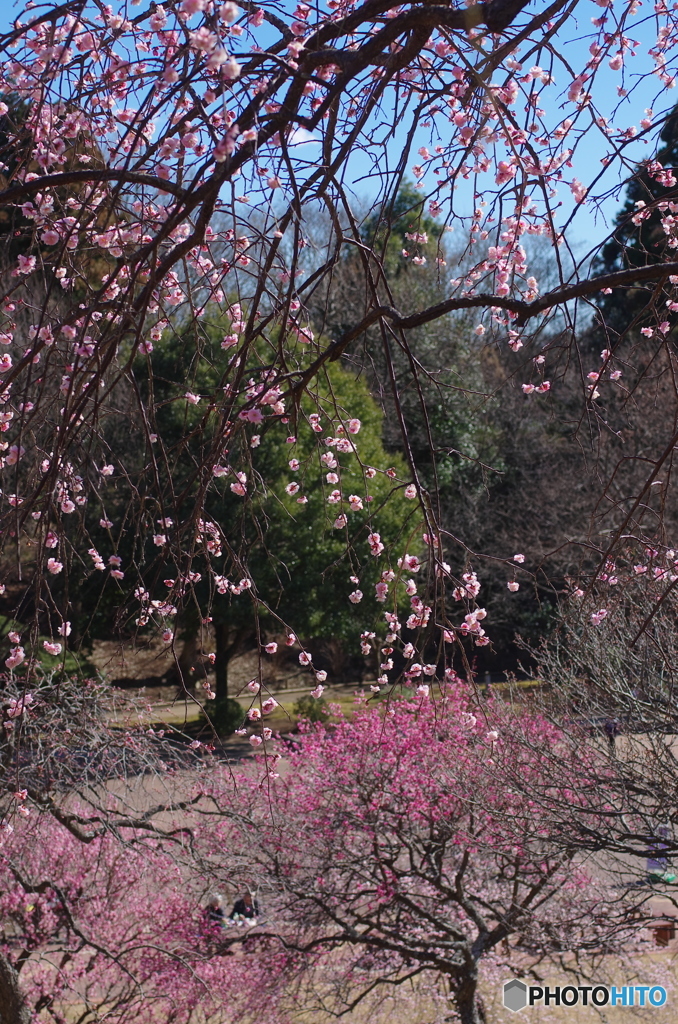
{"x": 178, "y": 147}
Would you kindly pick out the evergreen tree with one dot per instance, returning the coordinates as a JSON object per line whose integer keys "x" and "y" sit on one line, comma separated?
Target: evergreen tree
{"x": 639, "y": 239}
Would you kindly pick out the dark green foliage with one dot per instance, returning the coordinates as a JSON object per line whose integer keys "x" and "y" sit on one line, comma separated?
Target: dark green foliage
{"x": 299, "y": 562}
{"x": 312, "y": 709}
{"x": 386, "y": 229}
{"x": 642, "y": 244}
{"x": 224, "y": 715}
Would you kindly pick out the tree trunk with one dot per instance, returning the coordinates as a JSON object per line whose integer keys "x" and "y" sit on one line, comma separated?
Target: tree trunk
{"x": 469, "y": 1003}
{"x": 190, "y": 668}
{"x": 223, "y": 655}
{"x": 13, "y": 1009}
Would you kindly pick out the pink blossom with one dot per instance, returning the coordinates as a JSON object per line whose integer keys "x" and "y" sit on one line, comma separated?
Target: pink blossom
{"x": 253, "y": 686}
{"x": 52, "y": 648}
{"x": 231, "y": 70}
{"x": 355, "y": 597}
{"x": 513, "y": 586}
{"x": 271, "y": 648}
{"x": 16, "y": 656}
{"x": 578, "y": 190}
{"x": 304, "y": 658}
{"x": 355, "y": 502}
{"x": 14, "y": 455}
{"x": 256, "y": 741}
{"x": 318, "y": 692}
{"x": 228, "y": 12}
{"x": 54, "y": 566}
{"x": 26, "y": 265}
{"x": 410, "y": 491}
{"x": 354, "y": 426}
{"x": 376, "y": 546}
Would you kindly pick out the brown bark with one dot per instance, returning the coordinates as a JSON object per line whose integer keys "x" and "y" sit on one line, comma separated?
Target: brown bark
{"x": 469, "y": 1003}
{"x": 228, "y": 642}
{"x": 13, "y": 1009}
{"x": 223, "y": 656}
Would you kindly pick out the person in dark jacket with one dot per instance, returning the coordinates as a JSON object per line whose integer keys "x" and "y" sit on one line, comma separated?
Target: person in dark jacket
{"x": 246, "y": 907}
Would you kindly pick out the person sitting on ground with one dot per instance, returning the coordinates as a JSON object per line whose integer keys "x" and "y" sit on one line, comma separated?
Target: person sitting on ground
{"x": 214, "y": 913}
{"x": 246, "y": 907}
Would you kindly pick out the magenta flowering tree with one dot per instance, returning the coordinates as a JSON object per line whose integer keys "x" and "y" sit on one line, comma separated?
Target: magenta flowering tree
{"x": 408, "y": 845}
{"x": 113, "y": 930}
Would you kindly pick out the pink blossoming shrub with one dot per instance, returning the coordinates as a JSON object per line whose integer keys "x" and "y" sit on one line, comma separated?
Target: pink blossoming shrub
{"x": 417, "y": 840}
